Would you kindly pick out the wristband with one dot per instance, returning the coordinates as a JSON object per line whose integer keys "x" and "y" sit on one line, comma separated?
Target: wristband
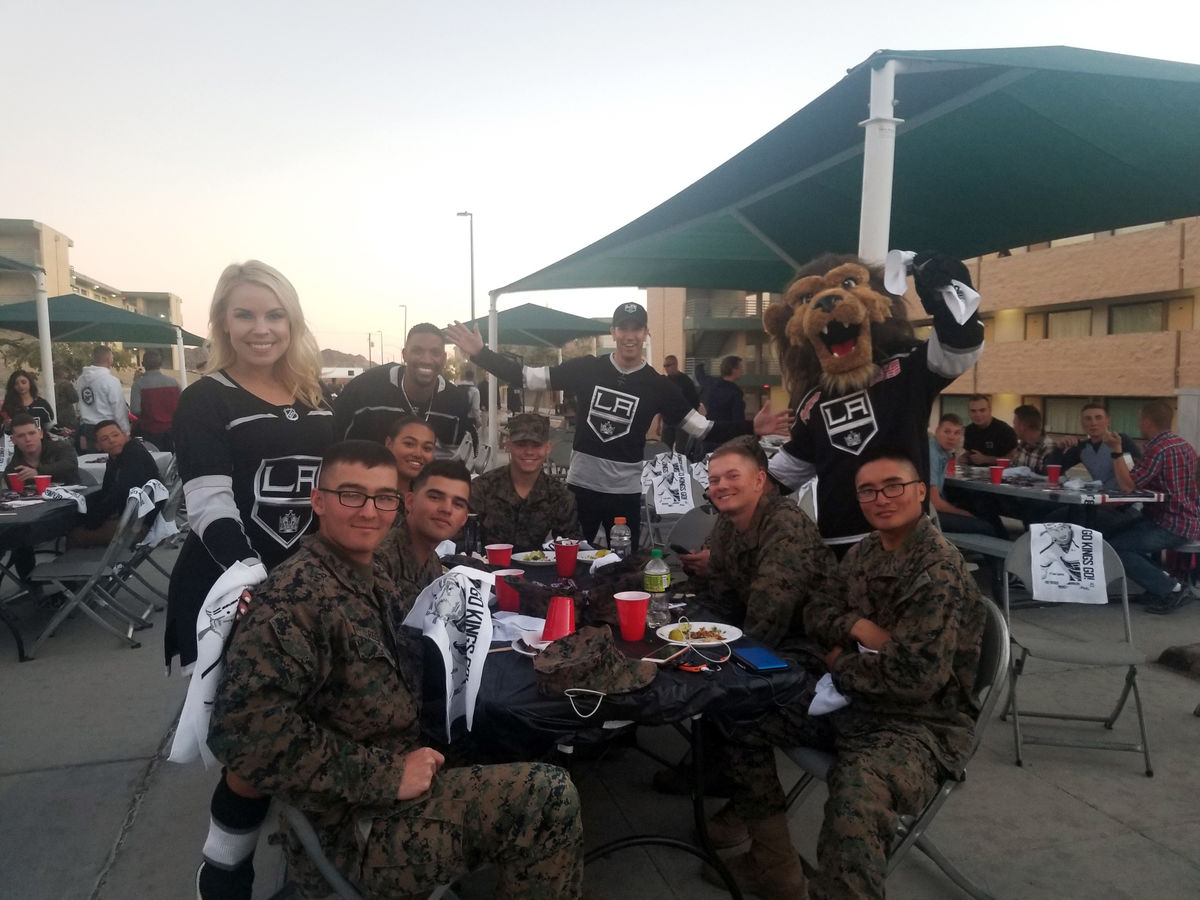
{"x": 1115, "y": 455}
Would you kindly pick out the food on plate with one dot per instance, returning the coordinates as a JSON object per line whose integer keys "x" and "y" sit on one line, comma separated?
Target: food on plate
{"x": 534, "y": 556}
{"x": 600, "y": 553}
{"x": 706, "y": 634}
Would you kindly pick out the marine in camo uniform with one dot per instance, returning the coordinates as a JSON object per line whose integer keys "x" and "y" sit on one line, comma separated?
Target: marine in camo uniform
{"x": 520, "y": 504}
{"x": 907, "y": 594}
{"x": 320, "y": 703}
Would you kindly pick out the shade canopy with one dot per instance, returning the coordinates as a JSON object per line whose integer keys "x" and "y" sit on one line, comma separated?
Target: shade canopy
{"x": 76, "y": 318}
{"x": 997, "y": 148}
{"x": 530, "y": 325}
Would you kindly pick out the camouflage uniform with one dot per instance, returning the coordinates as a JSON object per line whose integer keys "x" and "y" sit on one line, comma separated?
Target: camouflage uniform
{"x": 409, "y": 574}
{"x": 911, "y": 714}
{"x": 504, "y": 517}
{"x": 761, "y": 579}
{"x": 320, "y": 703}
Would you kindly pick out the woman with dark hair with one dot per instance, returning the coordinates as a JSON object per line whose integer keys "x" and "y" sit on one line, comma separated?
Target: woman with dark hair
{"x": 21, "y": 396}
{"x": 413, "y": 443}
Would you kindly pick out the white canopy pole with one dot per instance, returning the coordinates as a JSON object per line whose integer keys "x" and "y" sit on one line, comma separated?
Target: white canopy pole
{"x": 44, "y": 339}
{"x": 182, "y": 358}
{"x": 879, "y": 149}
{"x": 493, "y": 429}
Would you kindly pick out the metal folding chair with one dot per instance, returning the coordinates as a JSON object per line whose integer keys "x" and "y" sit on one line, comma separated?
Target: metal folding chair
{"x": 1104, "y": 654}
{"x": 910, "y": 831}
{"x": 693, "y": 527}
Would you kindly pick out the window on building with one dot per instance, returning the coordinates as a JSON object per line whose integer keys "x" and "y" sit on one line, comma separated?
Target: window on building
{"x": 1134, "y": 318}
{"x": 1060, "y": 415}
{"x": 1069, "y": 323}
{"x": 957, "y": 404}
{"x": 1124, "y": 413}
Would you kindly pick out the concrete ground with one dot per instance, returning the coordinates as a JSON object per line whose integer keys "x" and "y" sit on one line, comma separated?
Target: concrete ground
{"x": 89, "y": 808}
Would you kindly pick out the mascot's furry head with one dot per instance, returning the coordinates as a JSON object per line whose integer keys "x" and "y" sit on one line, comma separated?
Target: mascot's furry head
{"x": 836, "y": 323}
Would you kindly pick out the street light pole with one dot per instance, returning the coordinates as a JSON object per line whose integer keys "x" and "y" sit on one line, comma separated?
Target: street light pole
{"x": 404, "y": 306}
{"x": 471, "y": 229}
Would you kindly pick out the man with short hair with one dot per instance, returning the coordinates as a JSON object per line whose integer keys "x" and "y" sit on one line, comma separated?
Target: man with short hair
{"x": 320, "y": 702}
{"x": 153, "y": 399}
{"x": 724, "y": 400}
{"x": 1091, "y": 450}
{"x": 986, "y": 439}
{"x": 368, "y": 405}
{"x": 129, "y": 466}
{"x": 1169, "y": 465}
{"x": 520, "y": 504}
{"x": 672, "y": 436}
{"x": 955, "y": 518}
{"x": 1034, "y": 446}
{"x": 36, "y": 454}
{"x": 903, "y": 640}
{"x": 101, "y": 397}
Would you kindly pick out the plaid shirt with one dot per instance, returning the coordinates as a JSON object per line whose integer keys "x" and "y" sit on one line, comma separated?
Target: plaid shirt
{"x": 1033, "y": 455}
{"x": 1169, "y": 465}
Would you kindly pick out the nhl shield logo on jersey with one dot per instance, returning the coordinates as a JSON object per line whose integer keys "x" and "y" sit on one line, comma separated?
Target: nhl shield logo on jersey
{"x": 611, "y": 413}
{"x": 282, "y": 491}
{"x": 850, "y": 422}
{"x": 290, "y": 414}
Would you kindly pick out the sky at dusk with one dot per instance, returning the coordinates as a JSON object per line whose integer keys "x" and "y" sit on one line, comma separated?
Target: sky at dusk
{"x": 336, "y": 141}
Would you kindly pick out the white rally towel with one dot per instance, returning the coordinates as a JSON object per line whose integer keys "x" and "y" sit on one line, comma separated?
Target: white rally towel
{"x": 62, "y": 493}
{"x": 212, "y": 628}
{"x": 453, "y": 612}
{"x": 7, "y": 450}
{"x": 1067, "y": 563}
{"x": 961, "y": 299}
{"x": 669, "y": 476}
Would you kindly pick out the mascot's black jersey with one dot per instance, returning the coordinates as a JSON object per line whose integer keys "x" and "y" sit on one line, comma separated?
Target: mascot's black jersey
{"x": 248, "y": 470}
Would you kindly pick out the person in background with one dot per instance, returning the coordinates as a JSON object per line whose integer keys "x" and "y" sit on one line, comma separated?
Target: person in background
{"x": 21, "y": 397}
{"x": 368, "y": 404}
{"x": 986, "y": 439}
{"x": 467, "y": 382}
{"x": 130, "y": 465}
{"x": 955, "y": 517}
{"x": 1034, "y": 446}
{"x": 520, "y": 504}
{"x": 34, "y": 453}
{"x": 412, "y": 444}
{"x": 1168, "y": 465}
{"x": 101, "y": 397}
{"x": 724, "y": 400}
{"x": 66, "y": 398}
{"x": 320, "y": 702}
{"x": 249, "y": 437}
{"x": 672, "y": 436}
{"x": 153, "y": 399}
{"x": 1091, "y": 449}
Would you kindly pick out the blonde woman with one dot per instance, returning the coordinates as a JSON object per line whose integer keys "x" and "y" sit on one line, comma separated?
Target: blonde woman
{"x": 249, "y": 437}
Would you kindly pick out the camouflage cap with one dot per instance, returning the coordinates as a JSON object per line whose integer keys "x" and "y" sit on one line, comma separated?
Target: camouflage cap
{"x": 529, "y": 427}
{"x": 589, "y": 658}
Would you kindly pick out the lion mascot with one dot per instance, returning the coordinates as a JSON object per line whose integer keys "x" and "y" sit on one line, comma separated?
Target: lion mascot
{"x": 859, "y": 377}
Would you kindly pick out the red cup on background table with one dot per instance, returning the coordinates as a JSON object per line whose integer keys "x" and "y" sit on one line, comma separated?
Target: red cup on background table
{"x": 560, "y": 618}
{"x": 507, "y": 598}
{"x": 566, "y": 555}
{"x": 1003, "y": 462}
{"x": 16, "y": 482}
{"x": 631, "y": 613}
{"x": 951, "y": 466}
{"x": 41, "y": 482}
{"x": 499, "y": 554}
{"x": 997, "y": 473}
{"x": 1053, "y": 473}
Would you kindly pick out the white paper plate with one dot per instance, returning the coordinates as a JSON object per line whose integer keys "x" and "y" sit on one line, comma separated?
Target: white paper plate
{"x": 729, "y": 633}
{"x": 592, "y": 555}
{"x": 524, "y": 560}
{"x": 530, "y": 643}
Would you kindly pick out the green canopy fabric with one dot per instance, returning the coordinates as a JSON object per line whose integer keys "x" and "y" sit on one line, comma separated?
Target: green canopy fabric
{"x": 998, "y": 148}
{"x": 76, "y": 318}
{"x": 530, "y": 325}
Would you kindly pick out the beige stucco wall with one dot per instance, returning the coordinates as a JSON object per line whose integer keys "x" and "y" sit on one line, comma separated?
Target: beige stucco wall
{"x": 34, "y": 244}
{"x": 664, "y": 315}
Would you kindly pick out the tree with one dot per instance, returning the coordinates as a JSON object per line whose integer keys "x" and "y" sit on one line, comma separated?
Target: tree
{"x": 25, "y": 353}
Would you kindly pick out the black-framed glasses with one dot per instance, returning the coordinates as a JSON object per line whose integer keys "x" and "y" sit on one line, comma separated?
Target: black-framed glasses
{"x": 891, "y": 491}
{"x": 357, "y": 499}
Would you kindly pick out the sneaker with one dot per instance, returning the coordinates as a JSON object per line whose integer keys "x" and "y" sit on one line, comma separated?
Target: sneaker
{"x": 1164, "y": 606}
{"x": 215, "y": 883}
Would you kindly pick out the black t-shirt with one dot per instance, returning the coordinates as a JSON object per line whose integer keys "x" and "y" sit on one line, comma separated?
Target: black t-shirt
{"x": 375, "y": 399}
{"x": 996, "y": 439}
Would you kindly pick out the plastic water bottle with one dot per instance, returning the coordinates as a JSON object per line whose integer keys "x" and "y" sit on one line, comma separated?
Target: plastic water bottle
{"x": 620, "y": 538}
{"x": 656, "y": 581}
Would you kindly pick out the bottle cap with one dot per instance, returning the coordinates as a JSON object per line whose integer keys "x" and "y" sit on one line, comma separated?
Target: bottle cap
{"x": 656, "y": 553}
{"x": 619, "y": 520}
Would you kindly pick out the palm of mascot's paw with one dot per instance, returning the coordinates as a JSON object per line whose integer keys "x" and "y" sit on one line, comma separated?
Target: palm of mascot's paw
{"x": 834, "y": 313}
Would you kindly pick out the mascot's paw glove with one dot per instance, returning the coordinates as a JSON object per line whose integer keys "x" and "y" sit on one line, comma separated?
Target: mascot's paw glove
{"x": 934, "y": 271}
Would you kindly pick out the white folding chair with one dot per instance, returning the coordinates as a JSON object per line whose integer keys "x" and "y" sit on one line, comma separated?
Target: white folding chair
{"x": 1114, "y": 654}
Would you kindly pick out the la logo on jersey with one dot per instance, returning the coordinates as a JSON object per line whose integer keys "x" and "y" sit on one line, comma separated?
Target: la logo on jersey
{"x": 611, "y": 413}
{"x": 850, "y": 422}
{"x": 282, "y": 496}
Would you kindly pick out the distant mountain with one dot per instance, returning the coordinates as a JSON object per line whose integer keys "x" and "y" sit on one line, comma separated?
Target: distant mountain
{"x": 338, "y": 359}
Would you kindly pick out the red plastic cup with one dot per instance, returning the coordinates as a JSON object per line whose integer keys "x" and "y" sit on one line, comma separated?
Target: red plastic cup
{"x": 16, "y": 482}
{"x": 631, "y": 613}
{"x": 499, "y": 554}
{"x": 560, "y": 618}
{"x": 951, "y": 466}
{"x": 566, "y": 555}
{"x": 41, "y": 482}
{"x": 997, "y": 473}
{"x": 507, "y": 598}
{"x": 1053, "y": 473}
{"x": 1003, "y": 462}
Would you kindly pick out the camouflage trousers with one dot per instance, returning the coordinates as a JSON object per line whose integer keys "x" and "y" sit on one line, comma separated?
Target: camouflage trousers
{"x": 522, "y": 818}
{"x": 876, "y": 778}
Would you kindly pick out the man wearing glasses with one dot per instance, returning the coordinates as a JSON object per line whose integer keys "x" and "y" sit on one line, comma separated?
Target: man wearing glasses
{"x": 320, "y": 702}
{"x": 902, "y": 643}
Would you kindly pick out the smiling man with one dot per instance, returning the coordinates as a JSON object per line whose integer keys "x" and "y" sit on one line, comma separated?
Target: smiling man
{"x": 373, "y": 400}
{"x": 617, "y": 397}
{"x": 320, "y": 703}
{"x": 520, "y": 504}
